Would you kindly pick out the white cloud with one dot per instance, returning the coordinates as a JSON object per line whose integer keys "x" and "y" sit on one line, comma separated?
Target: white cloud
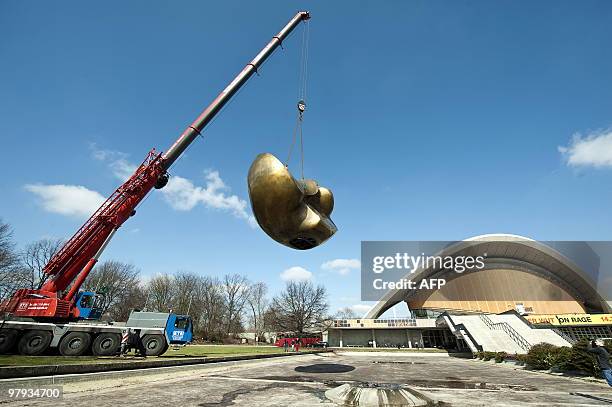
{"x": 122, "y": 169}
{"x": 183, "y": 195}
{"x": 341, "y": 266}
{"x": 71, "y": 200}
{"x": 296, "y": 273}
{"x": 594, "y": 150}
{"x": 361, "y": 309}
{"x": 116, "y": 160}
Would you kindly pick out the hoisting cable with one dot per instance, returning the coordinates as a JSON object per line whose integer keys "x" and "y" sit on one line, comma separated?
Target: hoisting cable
{"x": 301, "y": 105}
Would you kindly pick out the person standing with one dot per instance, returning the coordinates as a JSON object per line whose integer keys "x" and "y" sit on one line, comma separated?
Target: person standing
{"x": 137, "y": 341}
{"x": 603, "y": 359}
{"x": 286, "y": 345}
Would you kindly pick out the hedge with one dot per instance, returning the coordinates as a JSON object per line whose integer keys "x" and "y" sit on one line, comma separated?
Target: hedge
{"x": 577, "y": 359}
{"x": 544, "y": 356}
{"x": 500, "y": 357}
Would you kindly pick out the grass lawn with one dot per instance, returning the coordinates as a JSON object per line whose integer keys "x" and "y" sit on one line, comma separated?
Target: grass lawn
{"x": 18, "y": 360}
{"x": 187, "y": 351}
{"x": 221, "y": 350}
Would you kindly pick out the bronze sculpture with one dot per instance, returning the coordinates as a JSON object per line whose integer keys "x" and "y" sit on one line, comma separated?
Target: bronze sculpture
{"x": 292, "y": 212}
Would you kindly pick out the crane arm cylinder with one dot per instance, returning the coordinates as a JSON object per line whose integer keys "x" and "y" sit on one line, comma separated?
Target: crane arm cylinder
{"x": 192, "y": 132}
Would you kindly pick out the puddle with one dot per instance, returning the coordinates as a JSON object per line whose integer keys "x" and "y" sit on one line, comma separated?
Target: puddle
{"x": 292, "y": 379}
{"x": 302, "y": 379}
{"x": 325, "y": 368}
{"x": 461, "y": 384}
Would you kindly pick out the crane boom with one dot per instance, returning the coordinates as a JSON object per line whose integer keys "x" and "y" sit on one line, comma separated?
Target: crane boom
{"x": 209, "y": 113}
{"x": 76, "y": 258}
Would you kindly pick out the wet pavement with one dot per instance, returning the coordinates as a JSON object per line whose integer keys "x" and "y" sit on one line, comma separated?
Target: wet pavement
{"x": 302, "y": 381}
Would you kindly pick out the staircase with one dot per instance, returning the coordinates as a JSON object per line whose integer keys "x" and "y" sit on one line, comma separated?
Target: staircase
{"x": 532, "y": 335}
{"x": 507, "y": 328}
{"x": 500, "y": 333}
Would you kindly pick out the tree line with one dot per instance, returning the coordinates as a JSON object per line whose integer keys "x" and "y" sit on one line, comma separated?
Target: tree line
{"x": 219, "y": 306}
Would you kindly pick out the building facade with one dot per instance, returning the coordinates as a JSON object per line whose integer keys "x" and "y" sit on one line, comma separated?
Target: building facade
{"x": 535, "y": 288}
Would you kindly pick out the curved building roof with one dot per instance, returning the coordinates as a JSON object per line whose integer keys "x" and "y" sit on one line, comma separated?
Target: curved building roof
{"x": 550, "y": 261}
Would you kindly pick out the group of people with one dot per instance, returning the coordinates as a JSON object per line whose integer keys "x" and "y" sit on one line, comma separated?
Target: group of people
{"x": 293, "y": 343}
{"x": 131, "y": 340}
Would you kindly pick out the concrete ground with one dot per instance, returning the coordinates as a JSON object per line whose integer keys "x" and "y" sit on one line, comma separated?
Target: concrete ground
{"x": 303, "y": 380}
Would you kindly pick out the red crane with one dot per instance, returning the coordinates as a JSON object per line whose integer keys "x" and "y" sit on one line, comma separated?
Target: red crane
{"x": 69, "y": 267}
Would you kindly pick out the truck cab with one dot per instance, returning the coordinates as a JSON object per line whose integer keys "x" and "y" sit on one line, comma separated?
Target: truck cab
{"x": 177, "y": 329}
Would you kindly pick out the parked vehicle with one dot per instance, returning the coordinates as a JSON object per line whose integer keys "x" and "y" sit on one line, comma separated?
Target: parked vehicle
{"x": 320, "y": 344}
{"x": 31, "y": 338}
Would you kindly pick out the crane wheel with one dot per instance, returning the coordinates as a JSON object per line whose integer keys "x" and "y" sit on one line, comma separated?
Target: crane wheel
{"x": 34, "y": 343}
{"x": 74, "y": 344}
{"x": 8, "y": 339}
{"x": 106, "y": 344}
{"x": 155, "y": 345}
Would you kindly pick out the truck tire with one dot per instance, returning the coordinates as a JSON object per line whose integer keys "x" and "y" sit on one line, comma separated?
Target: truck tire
{"x": 166, "y": 346}
{"x": 8, "y": 339}
{"x": 106, "y": 344}
{"x": 74, "y": 344}
{"x": 155, "y": 345}
{"x": 34, "y": 343}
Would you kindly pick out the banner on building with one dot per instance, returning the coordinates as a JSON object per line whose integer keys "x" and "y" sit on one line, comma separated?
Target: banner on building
{"x": 570, "y": 319}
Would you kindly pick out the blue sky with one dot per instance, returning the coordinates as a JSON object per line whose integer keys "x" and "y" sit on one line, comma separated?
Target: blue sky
{"x": 428, "y": 120}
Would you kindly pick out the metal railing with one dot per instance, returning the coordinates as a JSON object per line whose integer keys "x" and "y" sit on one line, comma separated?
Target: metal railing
{"x": 511, "y": 332}
{"x": 564, "y": 335}
{"x": 460, "y": 331}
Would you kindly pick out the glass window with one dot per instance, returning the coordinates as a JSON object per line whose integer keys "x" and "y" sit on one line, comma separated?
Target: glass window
{"x": 86, "y": 301}
{"x": 181, "y": 323}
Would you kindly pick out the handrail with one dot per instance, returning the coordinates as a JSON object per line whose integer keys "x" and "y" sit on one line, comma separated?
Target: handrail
{"x": 511, "y": 332}
{"x": 462, "y": 331}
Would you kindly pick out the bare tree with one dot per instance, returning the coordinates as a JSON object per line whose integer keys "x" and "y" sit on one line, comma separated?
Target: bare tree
{"x": 208, "y": 316}
{"x": 299, "y": 307}
{"x": 7, "y": 246}
{"x": 258, "y": 304}
{"x": 134, "y": 297}
{"x": 12, "y": 275}
{"x": 346, "y": 313}
{"x": 160, "y": 293}
{"x": 184, "y": 285}
{"x": 235, "y": 294}
{"x": 116, "y": 280}
{"x": 35, "y": 257}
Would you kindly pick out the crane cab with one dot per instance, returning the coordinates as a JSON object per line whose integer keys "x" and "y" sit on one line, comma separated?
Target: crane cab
{"x": 89, "y": 305}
